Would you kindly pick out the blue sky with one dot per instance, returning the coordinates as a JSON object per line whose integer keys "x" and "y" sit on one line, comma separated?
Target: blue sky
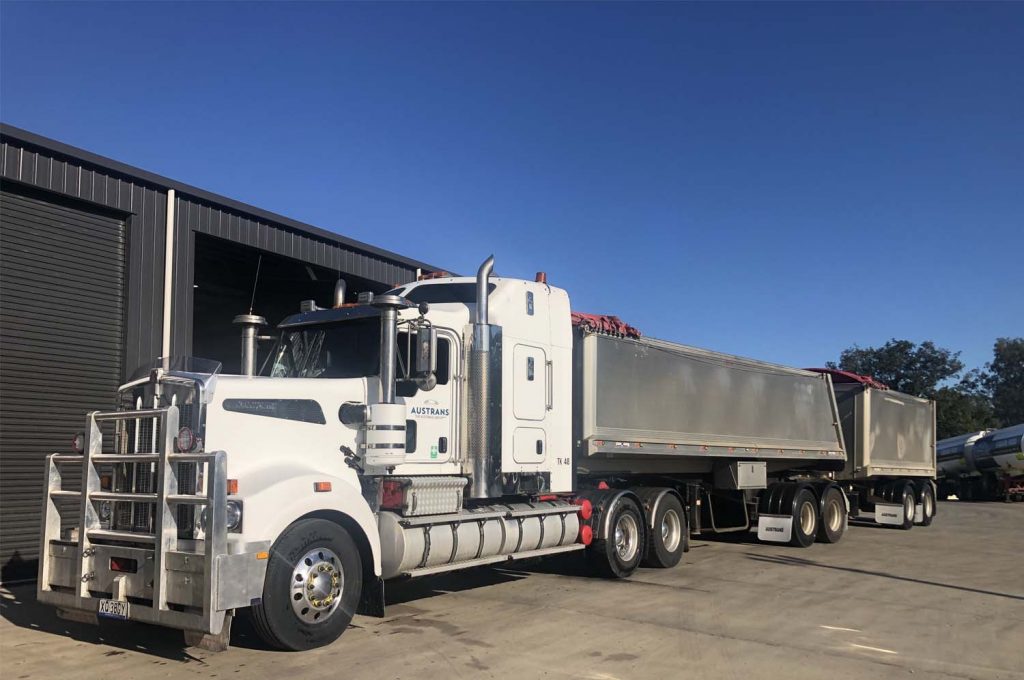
{"x": 772, "y": 180}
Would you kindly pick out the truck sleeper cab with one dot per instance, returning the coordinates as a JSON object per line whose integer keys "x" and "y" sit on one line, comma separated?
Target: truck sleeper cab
{"x": 442, "y": 425}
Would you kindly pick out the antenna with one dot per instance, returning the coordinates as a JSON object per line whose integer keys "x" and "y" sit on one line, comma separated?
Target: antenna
{"x": 252, "y": 300}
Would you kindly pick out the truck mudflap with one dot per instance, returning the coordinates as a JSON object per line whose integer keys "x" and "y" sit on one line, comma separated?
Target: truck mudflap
{"x": 152, "y": 576}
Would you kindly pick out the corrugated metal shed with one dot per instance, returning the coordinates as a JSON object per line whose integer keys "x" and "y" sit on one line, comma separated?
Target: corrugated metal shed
{"x": 68, "y": 171}
{"x": 79, "y": 183}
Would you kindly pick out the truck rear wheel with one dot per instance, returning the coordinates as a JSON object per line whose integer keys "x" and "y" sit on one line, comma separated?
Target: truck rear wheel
{"x": 833, "y": 516}
{"x": 312, "y": 587}
{"x": 903, "y": 493}
{"x": 618, "y": 554}
{"x": 805, "y": 518}
{"x": 667, "y": 540}
{"x": 927, "y": 504}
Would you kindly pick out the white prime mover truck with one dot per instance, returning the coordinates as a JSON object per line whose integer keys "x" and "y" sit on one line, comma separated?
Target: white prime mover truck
{"x": 446, "y": 424}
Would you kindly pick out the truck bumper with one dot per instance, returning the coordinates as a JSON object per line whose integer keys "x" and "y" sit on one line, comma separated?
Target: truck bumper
{"x": 235, "y": 581}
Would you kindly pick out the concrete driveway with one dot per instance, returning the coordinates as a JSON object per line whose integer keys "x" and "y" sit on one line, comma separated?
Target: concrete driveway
{"x": 945, "y": 601}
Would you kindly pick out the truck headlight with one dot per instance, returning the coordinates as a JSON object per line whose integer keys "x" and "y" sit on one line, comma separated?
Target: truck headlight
{"x": 234, "y": 516}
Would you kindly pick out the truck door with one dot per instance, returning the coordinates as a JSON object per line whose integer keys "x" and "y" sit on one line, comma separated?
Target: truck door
{"x": 531, "y": 395}
{"x": 430, "y": 424}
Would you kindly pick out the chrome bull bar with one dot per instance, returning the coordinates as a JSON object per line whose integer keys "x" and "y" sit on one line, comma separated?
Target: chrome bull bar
{"x": 176, "y": 580}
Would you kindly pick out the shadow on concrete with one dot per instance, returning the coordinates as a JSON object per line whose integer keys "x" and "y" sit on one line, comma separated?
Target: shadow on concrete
{"x": 404, "y": 591}
{"x": 18, "y": 605}
{"x": 801, "y": 562}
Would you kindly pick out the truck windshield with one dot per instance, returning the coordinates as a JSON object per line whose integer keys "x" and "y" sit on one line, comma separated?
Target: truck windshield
{"x": 345, "y": 350}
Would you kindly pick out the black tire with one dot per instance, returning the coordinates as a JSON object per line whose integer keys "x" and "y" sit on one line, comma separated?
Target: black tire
{"x": 666, "y": 541}
{"x": 312, "y": 552}
{"x": 804, "y": 510}
{"x": 832, "y": 524}
{"x": 927, "y": 498}
{"x": 619, "y": 559}
{"x": 903, "y": 494}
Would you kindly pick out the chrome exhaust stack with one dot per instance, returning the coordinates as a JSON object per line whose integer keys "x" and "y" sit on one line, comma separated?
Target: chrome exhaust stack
{"x": 339, "y": 293}
{"x": 251, "y": 325}
{"x": 483, "y": 433}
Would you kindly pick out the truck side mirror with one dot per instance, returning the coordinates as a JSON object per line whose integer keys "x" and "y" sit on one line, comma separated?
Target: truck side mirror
{"x": 426, "y": 349}
{"x": 426, "y": 357}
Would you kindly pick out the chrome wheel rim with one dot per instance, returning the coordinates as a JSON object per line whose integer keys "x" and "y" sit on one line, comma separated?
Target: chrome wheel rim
{"x": 671, "y": 530}
{"x": 929, "y": 507}
{"x": 908, "y": 506}
{"x": 627, "y": 535}
{"x": 807, "y": 519}
{"x": 317, "y": 584}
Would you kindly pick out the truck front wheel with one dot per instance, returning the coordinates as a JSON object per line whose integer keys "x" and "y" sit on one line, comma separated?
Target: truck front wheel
{"x": 618, "y": 554}
{"x": 312, "y": 586}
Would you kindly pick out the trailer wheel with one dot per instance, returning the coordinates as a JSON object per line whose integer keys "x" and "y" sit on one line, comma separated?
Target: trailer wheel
{"x": 927, "y": 503}
{"x": 312, "y": 586}
{"x": 902, "y": 493}
{"x": 805, "y": 518}
{"x": 833, "y": 515}
{"x": 667, "y": 540}
{"x": 619, "y": 553}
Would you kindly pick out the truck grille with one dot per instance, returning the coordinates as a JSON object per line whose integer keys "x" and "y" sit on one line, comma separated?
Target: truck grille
{"x": 143, "y": 435}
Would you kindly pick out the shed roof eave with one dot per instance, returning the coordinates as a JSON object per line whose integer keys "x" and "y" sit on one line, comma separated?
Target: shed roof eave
{"x": 117, "y": 167}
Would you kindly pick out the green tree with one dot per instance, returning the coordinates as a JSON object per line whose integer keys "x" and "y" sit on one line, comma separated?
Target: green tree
{"x": 1005, "y": 380}
{"x": 965, "y": 407}
{"x": 903, "y": 365}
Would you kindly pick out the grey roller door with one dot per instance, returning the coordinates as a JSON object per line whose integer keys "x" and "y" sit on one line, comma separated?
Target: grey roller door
{"x": 62, "y": 271}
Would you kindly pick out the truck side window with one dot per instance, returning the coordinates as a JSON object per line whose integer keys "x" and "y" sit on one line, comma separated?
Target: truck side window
{"x": 444, "y": 350}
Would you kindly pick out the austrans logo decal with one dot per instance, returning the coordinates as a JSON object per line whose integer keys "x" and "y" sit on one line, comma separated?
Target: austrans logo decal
{"x": 430, "y": 409}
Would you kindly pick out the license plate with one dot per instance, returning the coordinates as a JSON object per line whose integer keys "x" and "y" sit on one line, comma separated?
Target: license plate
{"x": 113, "y": 609}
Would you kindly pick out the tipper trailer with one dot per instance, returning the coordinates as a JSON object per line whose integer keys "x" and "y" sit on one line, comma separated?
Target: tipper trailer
{"x": 890, "y": 450}
{"x": 446, "y": 424}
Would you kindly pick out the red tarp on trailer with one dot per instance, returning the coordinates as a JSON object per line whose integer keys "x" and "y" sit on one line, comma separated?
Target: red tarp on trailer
{"x": 604, "y": 323}
{"x": 850, "y": 377}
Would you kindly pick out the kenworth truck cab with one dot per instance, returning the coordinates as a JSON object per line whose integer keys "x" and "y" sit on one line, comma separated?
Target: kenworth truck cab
{"x": 414, "y": 432}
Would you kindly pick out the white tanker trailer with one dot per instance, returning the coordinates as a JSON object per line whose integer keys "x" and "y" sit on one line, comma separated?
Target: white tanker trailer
{"x": 983, "y": 466}
{"x": 446, "y": 424}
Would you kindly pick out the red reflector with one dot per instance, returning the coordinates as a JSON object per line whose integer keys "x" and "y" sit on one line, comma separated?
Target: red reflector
{"x": 233, "y": 487}
{"x": 391, "y": 495}
{"x": 124, "y": 564}
{"x": 549, "y": 497}
{"x": 320, "y": 487}
{"x": 586, "y": 508}
{"x": 602, "y": 485}
{"x": 586, "y": 534}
